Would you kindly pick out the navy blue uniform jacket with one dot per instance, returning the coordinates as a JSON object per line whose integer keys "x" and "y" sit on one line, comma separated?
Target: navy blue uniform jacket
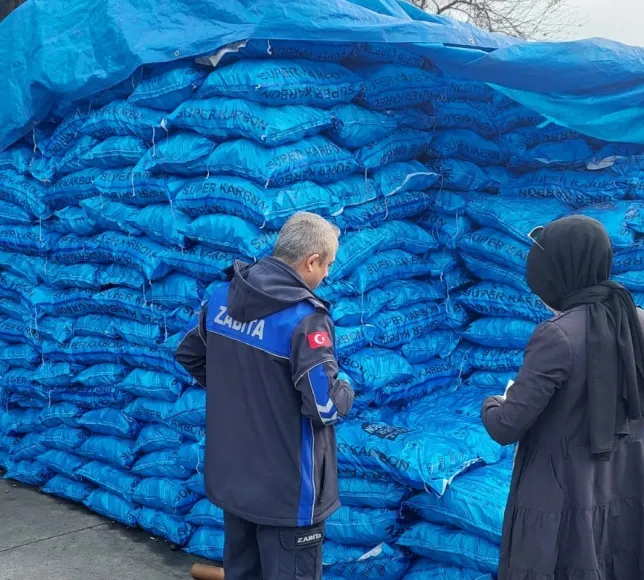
{"x": 264, "y": 349}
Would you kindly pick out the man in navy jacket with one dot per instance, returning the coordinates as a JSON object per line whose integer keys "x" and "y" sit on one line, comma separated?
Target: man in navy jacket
{"x": 263, "y": 347}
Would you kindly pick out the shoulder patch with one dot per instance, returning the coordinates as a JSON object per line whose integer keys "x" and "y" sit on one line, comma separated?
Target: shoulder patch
{"x": 319, "y": 339}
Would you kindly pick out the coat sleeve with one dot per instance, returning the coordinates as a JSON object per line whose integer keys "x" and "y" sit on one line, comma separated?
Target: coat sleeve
{"x": 546, "y": 367}
{"x": 314, "y": 369}
{"x": 191, "y": 352}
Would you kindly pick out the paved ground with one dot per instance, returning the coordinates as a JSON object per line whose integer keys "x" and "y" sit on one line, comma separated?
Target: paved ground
{"x": 45, "y": 538}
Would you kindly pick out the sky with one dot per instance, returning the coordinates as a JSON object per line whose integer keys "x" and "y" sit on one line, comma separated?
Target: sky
{"x": 621, "y": 20}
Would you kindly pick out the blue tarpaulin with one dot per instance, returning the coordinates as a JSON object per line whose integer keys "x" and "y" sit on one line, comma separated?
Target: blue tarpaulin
{"x": 55, "y": 49}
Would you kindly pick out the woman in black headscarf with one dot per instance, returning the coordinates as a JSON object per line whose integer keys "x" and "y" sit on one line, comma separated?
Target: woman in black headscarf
{"x": 576, "y": 505}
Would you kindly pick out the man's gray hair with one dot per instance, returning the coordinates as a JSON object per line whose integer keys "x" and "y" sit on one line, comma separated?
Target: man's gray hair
{"x": 304, "y": 235}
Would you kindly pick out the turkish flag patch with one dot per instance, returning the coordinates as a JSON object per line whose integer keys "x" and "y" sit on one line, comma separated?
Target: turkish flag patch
{"x": 319, "y": 339}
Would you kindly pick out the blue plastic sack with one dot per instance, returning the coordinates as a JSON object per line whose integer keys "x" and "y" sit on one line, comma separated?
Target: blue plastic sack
{"x": 207, "y": 543}
{"x": 492, "y": 245}
{"x": 190, "y": 409}
{"x": 73, "y": 220}
{"x": 136, "y": 188}
{"x": 28, "y": 472}
{"x": 205, "y": 513}
{"x": 130, "y": 304}
{"x": 64, "y": 438}
{"x": 575, "y": 188}
{"x": 371, "y": 494}
{"x": 424, "y": 568}
{"x": 167, "y": 494}
{"x": 181, "y": 154}
{"x": 192, "y": 456}
{"x": 176, "y": 290}
{"x": 113, "y": 507}
{"x": 196, "y": 484}
{"x": 394, "y": 328}
{"x": 244, "y": 199}
{"x": 111, "y": 450}
{"x": 92, "y": 397}
{"x": 154, "y": 385}
{"x": 201, "y": 262}
{"x": 517, "y": 217}
{"x": 314, "y": 159}
{"x": 394, "y": 87}
{"x": 466, "y": 145}
{"x": 175, "y": 530}
{"x": 398, "y": 206}
{"x": 392, "y": 265}
{"x": 115, "y": 152}
{"x": 573, "y": 154}
{"x": 28, "y": 240}
{"x": 7, "y": 442}
{"x": 493, "y": 272}
{"x": 88, "y": 350}
{"x": 161, "y": 464}
{"x": 470, "y": 115}
{"x": 62, "y": 462}
{"x": 30, "y": 268}
{"x": 461, "y": 506}
{"x": 354, "y": 127}
{"x": 72, "y": 161}
{"x": 283, "y": 82}
{"x": 67, "y": 488}
{"x": 157, "y": 438}
{"x": 65, "y": 133}
{"x": 109, "y": 422}
{"x": 120, "y": 118}
{"x": 354, "y": 562}
{"x": 148, "y": 410}
{"x": 436, "y": 344}
{"x": 491, "y": 299}
{"x": 417, "y": 459}
{"x": 92, "y": 276}
{"x": 356, "y": 310}
{"x": 227, "y": 119}
{"x": 373, "y": 368}
{"x": 450, "y": 546}
{"x": 351, "y": 339}
{"x": 391, "y": 53}
{"x": 500, "y": 332}
{"x": 230, "y": 234}
{"x": 167, "y": 88}
{"x": 429, "y": 377}
{"x": 111, "y": 247}
{"x": 356, "y": 526}
{"x": 69, "y": 190}
{"x": 17, "y": 158}
{"x": 115, "y": 481}
{"x": 490, "y": 359}
{"x": 446, "y": 230}
{"x": 289, "y": 49}
{"x": 613, "y": 216}
{"x": 403, "y": 176}
{"x": 106, "y": 374}
{"x": 512, "y": 116}
{"x": 461, "y": 175}
{"x": 23, "y": 192}
{"x": 29, "y": 448}
{"x": 401, "y": 144}
{"x": 60, "y": 414}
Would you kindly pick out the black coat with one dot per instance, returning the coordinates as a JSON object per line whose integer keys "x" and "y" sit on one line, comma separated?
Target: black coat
{"x": 264, "y": 349}
{"x": 569, "y": 517}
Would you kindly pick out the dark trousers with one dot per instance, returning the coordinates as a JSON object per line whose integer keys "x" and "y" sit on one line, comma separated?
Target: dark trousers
{"x": 254, "y": 552}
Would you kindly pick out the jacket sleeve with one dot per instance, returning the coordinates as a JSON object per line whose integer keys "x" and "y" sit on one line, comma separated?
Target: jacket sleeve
{"x": 191, "y": 352}
{"x": 546, "y": 367}
{"x": 325, "y": 398}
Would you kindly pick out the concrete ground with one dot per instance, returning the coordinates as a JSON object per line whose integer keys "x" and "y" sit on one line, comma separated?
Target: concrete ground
{"x": 46, "y": 538}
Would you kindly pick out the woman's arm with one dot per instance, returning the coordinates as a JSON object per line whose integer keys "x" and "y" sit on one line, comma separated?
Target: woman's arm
{"x": 546, "y": 366}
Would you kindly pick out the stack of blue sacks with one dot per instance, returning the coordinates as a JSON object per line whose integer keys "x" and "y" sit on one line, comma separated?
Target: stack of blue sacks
{"x": 119, "y": 215}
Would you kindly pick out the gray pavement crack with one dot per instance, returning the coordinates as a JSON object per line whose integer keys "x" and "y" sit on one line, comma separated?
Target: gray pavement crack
{"x": 2, "y": 551}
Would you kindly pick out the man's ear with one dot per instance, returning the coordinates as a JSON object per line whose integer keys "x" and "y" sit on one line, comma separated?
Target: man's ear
{"x": 310, "y": 261}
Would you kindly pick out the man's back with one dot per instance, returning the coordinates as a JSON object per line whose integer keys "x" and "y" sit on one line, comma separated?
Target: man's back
{"x": 272, "y": 396}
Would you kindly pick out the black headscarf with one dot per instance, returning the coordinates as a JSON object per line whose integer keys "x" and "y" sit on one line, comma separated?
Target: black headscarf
{"x": 569, "y": 265}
